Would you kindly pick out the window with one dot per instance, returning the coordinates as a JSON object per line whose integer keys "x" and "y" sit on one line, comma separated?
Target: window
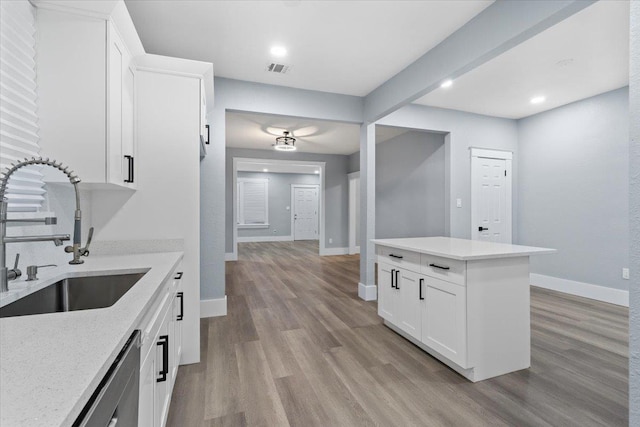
{"x": 18, "y": 108}
{"x": 253, "y": 203}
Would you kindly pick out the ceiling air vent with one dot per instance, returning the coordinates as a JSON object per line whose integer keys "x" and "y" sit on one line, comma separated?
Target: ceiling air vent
{"x": 273, "y": 67}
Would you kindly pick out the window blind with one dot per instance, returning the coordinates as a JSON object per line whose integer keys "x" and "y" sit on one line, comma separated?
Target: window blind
{"x": 18, "y": 104}
{"x": 252, "y": 201}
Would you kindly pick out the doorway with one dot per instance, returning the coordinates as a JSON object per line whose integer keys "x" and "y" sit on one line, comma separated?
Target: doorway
{"x": 491, "y": 195}
{"x": 263, "y": 192}
{"x": 305, "y": 207}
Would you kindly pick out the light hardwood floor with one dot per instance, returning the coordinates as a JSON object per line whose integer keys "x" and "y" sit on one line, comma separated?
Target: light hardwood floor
{"x": 298, "y": 347}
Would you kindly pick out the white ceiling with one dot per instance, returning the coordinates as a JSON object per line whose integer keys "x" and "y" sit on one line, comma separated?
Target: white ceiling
{"x": 258, "y": 131}
{"x": 348, "y": 47}
{"x": 582, "y": 56}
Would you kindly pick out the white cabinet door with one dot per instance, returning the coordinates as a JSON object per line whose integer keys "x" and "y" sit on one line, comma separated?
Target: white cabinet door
{"x": 409, "y": 311}
{"x": 387, "y": 294}
{"x": 444, "y": 319}
{"x": 120, "y": 114}
{"x": 147, "y": 391}
{"x": 204, "y": 131}
{"x": 163, "y": 372}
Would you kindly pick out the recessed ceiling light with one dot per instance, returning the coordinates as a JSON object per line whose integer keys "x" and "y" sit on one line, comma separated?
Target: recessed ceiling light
{"x": 447, "y": 83}
{"x": 317, "y": 171}
{"x": 265, "y": 170}
{"x": 278, "y": 51}
{"x": 538, "y": 99}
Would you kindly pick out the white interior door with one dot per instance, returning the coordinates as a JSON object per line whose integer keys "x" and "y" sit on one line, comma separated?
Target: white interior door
{"x": 491, "y": 197}
{"x": 305, "y": 212}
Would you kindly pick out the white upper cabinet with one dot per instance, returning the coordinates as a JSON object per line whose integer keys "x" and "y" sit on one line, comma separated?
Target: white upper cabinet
{"x": 87, "y": 107}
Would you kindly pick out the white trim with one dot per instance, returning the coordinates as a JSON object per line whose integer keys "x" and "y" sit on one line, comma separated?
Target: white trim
{"x": 586, "y": 290}
{"x": 243, "y": 226}
{"x": 213, "y": 307}
{"x": 354, "y": 179}
{"x": 334, "y": 251}
{"x": 367, "y": 293}
{"x": 231, "y": 256}
{"x": 292, "y": 204}
{"x": 253, "y": 239}
{"x": 65, "y": 8}
{"x": 500, "y": 155}
{"x": 320, "y": 165}
{"x": 491, "y": 153}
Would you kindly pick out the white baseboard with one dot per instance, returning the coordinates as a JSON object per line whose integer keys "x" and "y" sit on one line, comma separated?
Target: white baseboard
{"x": 367, "y": 293}
{"x": 334, "y": 251}
{"x": 265, "y": 239}
{"x": 213, "y": 307}
{"x": 587, "y": 290}
{"x": 353, "y": 251}
{"x": 231, "y": 256}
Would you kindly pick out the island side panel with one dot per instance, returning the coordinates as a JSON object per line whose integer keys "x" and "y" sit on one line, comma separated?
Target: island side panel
{"x": 498, "y": 316}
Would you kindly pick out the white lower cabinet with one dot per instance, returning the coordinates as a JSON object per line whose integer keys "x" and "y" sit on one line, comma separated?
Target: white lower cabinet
{"x": 161, "y": 351}
{"x": 444, "y": 318}
{"x": 427, "y": 309}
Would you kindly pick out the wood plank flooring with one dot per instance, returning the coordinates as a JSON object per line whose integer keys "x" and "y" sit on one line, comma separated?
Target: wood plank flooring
{"x": 299, "y": 348}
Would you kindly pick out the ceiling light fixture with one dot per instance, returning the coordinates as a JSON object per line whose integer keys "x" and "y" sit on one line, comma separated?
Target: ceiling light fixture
{"x": 285, "y": 142}
{"x": 538, "y": 99}
{"x": 317, "y": 171}
{"x": 447, "y": 83}
{"x": 265, "y": 170}
{"x": 278, "y": 51}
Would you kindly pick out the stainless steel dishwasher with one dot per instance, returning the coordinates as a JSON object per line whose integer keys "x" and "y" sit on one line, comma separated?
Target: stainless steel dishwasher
{"x": 115, "y": 401}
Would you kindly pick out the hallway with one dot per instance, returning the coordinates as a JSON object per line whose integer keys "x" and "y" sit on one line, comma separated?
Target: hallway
{"x": 298, "y": 347}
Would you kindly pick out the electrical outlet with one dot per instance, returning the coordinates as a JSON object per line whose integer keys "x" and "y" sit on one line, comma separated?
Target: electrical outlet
{"x": 458, "y": 203}
{"x": 625, "y": 273}
{"x": 330, "y": 240}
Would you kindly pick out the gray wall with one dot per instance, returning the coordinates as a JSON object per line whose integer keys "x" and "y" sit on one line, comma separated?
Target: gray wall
{"x": 410, "y": 186}
{"x": 336, "y": 191}
{"x": 464, "y": 130}
{"x": 634, "y": 215}
{"x": 279, "y": 200}
{"x": 573, "y": 175}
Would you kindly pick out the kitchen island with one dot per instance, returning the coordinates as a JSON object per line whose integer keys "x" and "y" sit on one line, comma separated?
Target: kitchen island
{"x": 465, "y": 302}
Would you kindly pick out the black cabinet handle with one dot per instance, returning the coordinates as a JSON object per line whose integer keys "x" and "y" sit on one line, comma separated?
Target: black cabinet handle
{"x": 397, "y": 286}
{"x": 420, "y": 289}
{"x": 178, "y": 275}
{"x": 208, "y": 135}
{"x": 439, "y": 266}
{"x": 164, "y": 342}
{"x": 181, "y": 315}
{"x": 396, "y": 256}
{"x": 130, "y": 174}
{"x": 393, "y": 270}
{"x": 483, "y": 229}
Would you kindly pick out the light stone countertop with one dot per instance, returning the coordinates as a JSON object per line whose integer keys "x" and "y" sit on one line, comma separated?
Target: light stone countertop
{"x": 50, "y": 364}
{"x": 461, "y": 249}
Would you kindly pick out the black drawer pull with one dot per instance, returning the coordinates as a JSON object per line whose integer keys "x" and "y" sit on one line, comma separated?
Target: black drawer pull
{"x": 393, "y": 270}
{"x": 181, "y": 315}
{"x": 439, "y": 266}
{"x": 396, "y": 256}
{"x": 178, "y": 275}
{"x": 208, "y": 135}
{"x": 483, "y": 229}
{"x": 397, "y": 286}
{"x": 164, "y": 342}
{"x": 420, "y": 289}
{"x": 130, "y": 165}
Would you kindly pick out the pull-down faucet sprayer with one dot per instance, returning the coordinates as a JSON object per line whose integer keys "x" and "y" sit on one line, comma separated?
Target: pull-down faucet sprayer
{"x": 5, "y": 275}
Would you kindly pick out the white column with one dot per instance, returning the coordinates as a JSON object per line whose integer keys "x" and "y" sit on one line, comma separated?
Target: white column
{"x": 367, "y": 285}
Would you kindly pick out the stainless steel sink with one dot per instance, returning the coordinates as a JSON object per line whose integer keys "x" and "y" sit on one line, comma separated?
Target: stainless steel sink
{"x": 76, "y": 293}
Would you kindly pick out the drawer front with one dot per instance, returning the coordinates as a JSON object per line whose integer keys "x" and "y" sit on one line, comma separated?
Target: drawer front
{"x": 400, "y": 258}
{"x": 151, "y": 328}
{"x": 451, "y": 270}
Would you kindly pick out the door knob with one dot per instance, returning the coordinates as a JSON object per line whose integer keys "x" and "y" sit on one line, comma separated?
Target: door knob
{"x": 483, "y": 229}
